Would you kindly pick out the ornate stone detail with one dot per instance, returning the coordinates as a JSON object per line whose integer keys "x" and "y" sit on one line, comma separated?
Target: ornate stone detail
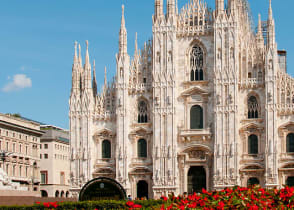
{"x": 197, "y": 154}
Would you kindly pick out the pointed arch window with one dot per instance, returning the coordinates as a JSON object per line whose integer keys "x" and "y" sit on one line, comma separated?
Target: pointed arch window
{"x": 253, "y": 108}
{"x": 196, "y": 117}
{"x": 106, "y": 149}
{"x": 142, "y": 112}
{"x": 196, "y": 63}
{"x": 142, "y": 148}
{"x": 252, "y": 145}
{"x": 290, "y": 143}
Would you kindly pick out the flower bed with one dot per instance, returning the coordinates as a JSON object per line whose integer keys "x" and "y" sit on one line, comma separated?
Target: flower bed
{"x": 236, "y": 198}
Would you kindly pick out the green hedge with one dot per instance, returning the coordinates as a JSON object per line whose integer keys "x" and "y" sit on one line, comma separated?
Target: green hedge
{"x": 90, "y": 205}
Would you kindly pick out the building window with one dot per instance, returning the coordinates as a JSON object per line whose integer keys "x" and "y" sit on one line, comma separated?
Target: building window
{"x": 26, "y": 150}
{"x": 26, "y": 171}
{"x": 196, "y": 63}
{"x": 290, "y": 181}
{"x": 45, "y": 146}
{"x": 13, "y": 147}
{"x": 62, "y": 178}
{"x": 13, "y": 170}
{"x": 106, "y": 149}
{"x": 40, "y": 156}
{"x": 290, "y": 143}
{"x": 196, "y": 117}
{"x": 20, "y": 171}
{"x": 46, "y": 156}
{"x": 253, "y": 107}
{"x": 7, "y": 146}
{"x": 252, "y": 145}
{"x": 142, "y": 148}
{"x": 44, "y": 177}
{"x": 252, "y": 181}
{"x": 20, "y": 148}
{"x": 142, "y": 112}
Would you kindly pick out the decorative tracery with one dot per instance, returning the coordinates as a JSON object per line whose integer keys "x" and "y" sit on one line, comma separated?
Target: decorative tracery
{"x": 142, "y": 112}
{"x": 253, "y": 108}
{"x": 196, "y": 63}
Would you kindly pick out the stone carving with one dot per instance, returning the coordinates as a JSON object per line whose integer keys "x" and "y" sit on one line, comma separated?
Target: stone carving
{"x": 197, "y": 154}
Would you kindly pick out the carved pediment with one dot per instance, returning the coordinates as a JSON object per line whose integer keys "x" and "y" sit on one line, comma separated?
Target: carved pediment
{"x": 286, "y": 127}
{"x": 104, "y": 171}
{"x": 252, "y": 127}
{"x": 104, "y": 134}
{"x": 195, "y": 91}
{"x": 140, "y": 132}
{"x": 141, "y": 170}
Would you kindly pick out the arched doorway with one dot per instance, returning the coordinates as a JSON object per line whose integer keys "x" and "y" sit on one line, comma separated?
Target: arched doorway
{"x": 196, "y": 179}
{"x": 102, "y": 188}
{"x": 290, "y": 181}
{"x": 57, "y": 194}
{"x": 44, "y": 194}
{"x": 142, "y": 189}
{"x": 252, "y": 181}
{"x": 62, "y": 194}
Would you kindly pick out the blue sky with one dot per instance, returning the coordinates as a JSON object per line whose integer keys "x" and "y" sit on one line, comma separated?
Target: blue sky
{"x": 37, "y": 46}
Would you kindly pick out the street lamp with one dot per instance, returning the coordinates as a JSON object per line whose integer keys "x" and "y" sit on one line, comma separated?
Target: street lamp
{"x": 3, "y": 156}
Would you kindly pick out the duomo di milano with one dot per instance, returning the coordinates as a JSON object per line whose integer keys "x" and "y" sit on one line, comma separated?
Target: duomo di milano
{"x": 207, "y": 103}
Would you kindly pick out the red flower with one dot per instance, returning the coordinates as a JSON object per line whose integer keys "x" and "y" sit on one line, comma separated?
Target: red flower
{"x": 221, "y": 205}
{"x": 136, "y": 206}
{"x": 164, "y": 198}
{"x": 38, "y": 202}
{"x": 46, "y": 205}
{"x": 130, "y": 203}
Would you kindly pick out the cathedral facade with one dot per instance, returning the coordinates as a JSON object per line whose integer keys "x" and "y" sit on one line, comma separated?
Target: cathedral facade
{"x": 207, "y": 103}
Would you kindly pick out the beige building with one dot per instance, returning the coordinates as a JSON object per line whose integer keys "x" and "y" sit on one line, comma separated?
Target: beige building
{"x": 20, "y": 139}
{"x": 207, "y": 103}
{"x": 55, "y": 165}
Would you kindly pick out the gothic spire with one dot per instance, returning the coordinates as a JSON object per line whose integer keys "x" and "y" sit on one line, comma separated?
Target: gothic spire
{"x": 105, "y": 77}
{"x": 75, "y": 71}
{"x": 80, "y": 55}
{"x": 158, "y": 7}
{"x": 87, "y": 59}
{"x": 270, "y": 11}
{"x": 136, "y": 44}
{"x": 123, "y": 35}
{"x": 259, "y": 34}
{"x": 170, "y": 8}
{"x": 271, "y": 27}
{"x": 219, "y": 5}
{"x": 94, "y": 83}
{"x": 76, "y": 56}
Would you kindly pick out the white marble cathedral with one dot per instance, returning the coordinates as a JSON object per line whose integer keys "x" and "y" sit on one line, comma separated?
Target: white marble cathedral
{"x": 207, "y": 103}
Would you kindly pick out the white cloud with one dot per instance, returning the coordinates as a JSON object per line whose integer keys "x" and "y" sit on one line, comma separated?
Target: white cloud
{"x": 27, "y": 68}
{"x": 20, "y": 81}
